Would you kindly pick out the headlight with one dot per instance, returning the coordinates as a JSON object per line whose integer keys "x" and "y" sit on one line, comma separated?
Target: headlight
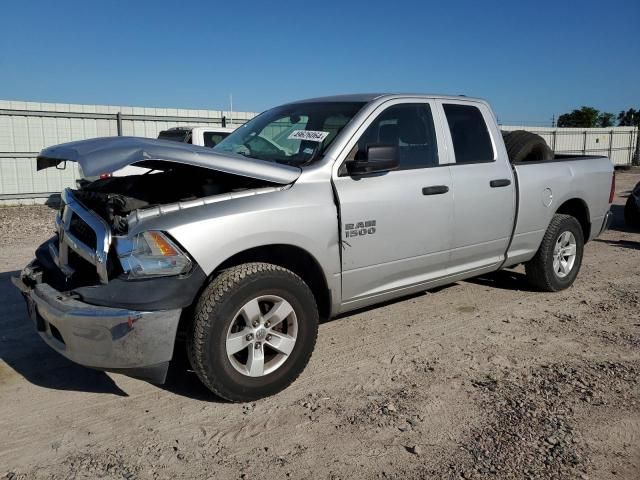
{"x": 152, "y": 254}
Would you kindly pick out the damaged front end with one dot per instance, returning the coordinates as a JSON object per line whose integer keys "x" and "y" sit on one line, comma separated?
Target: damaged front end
{"x": 176, "y": 173}
{"x": 93, "y": 243}
{"x": 112, "y": 300}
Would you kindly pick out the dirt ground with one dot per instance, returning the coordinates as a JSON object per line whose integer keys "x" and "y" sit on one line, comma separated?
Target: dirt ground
{"x": 481, "y": 379}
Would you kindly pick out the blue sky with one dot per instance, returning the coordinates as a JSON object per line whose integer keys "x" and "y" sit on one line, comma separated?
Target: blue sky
{"x": 529, "y": 59}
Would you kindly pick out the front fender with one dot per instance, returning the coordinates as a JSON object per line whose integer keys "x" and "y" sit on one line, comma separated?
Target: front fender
{"x": 303, "y": 216}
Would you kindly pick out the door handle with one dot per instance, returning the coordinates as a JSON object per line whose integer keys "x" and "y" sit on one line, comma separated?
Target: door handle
{"x": 502, "y": 182}
{"x": 435, "y": 190}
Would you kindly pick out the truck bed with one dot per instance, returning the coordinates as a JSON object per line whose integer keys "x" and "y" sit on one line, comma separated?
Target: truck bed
{"x": 542, "y": 188}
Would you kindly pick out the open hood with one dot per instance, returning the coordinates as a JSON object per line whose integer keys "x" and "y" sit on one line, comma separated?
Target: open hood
{"x": 108, "y": 154}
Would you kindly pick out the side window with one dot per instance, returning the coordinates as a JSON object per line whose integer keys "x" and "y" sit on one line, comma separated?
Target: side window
{"x": 471, "y": 140}
{"x": 211, "y": 139}
{"x": 409, "y": 126}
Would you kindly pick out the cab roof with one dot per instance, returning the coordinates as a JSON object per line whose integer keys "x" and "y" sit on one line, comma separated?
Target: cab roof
{"x": 369, "y": 97}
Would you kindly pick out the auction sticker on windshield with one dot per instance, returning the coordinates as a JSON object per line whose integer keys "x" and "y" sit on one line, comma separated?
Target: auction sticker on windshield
{"x": 313, "y": 135}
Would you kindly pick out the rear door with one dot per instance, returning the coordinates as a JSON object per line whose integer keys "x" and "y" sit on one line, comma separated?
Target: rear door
{"x": 483, "y": 186}
{"x": 396, "y": 226}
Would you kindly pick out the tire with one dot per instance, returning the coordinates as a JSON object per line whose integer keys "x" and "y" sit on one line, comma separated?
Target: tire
{"x": 223, "y": 312}
{"x": 523, "y": 146}
{"x": 541, "y": 271}
{"x": 631, "y": 213}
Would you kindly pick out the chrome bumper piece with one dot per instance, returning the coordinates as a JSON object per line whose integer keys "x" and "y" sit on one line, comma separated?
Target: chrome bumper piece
{"x": 102, "y": 337}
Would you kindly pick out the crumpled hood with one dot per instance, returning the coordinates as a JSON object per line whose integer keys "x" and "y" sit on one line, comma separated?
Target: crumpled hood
{"x": 108, "y": 154}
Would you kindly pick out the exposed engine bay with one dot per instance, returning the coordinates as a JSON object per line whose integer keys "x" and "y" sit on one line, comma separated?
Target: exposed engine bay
{"x": 113, "y": 198}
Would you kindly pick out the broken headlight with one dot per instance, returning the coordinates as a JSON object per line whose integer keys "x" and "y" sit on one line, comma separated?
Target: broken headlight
{"x": 152, "y": 254}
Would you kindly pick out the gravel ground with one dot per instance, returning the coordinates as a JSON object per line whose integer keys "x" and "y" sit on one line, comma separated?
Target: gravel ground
{"x": 482, "y": 379}
{"x": 22, "y": 225}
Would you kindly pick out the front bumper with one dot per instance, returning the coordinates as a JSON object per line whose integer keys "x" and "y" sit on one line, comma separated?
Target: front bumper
{"x": 136, "y": 343}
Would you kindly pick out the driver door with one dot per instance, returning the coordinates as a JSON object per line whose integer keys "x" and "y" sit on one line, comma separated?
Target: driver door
{"x": 396, "y": 227}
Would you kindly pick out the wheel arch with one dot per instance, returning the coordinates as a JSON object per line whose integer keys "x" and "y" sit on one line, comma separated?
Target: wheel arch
{"x": 288, "y": 256}
{"x": 293, "y": 258}
{"x": 578, "y": 208}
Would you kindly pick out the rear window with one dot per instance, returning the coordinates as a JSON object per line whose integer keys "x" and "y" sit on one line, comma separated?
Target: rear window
{"x": 176, "y": 135}
{"x": 471, "y": 139}
{"x": 211, "y": 139}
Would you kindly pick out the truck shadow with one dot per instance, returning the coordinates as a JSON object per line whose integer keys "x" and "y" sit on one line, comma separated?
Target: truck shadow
{"x": 384, "y": 304}
{"x": 27, "y": 356}
{"x": 621, "y": 243}
{"x": 617, "y": 220}
{"x": 505, "y": 280}
{"x": 183, "y": 381}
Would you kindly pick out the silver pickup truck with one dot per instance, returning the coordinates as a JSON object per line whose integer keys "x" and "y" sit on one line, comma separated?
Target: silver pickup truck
{"x": 310, "y": 210}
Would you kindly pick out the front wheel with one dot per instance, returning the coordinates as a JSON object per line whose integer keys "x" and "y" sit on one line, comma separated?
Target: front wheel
{"x": 558, "y": 260}
{"x": 253, "y": 332}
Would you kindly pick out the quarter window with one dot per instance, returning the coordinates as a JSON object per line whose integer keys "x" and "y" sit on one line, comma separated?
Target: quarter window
{"x": 409, "y": 126}
{"x": 471, "y": 140}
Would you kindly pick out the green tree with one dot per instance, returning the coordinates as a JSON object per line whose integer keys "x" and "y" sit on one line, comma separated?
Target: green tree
{"x": 630, "y": 118}
{"x": 605, "y": 119}
{"x": 585, "y": 117}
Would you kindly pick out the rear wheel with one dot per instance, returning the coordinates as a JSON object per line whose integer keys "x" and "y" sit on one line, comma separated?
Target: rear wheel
{"x": 558, "y": 260}
{"x": 253, "y": 332}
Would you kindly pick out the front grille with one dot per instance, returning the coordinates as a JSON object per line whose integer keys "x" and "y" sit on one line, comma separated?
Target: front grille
{"x": 83, "y": 232}
{"x": 82, "y": 269}
{"x": 85, "y": 240}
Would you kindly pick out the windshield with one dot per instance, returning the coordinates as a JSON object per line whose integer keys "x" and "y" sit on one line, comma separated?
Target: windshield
{"x": 295, "y": 134}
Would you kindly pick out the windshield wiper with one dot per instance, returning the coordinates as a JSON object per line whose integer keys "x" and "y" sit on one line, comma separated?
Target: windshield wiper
{"x": 288, "y": 162}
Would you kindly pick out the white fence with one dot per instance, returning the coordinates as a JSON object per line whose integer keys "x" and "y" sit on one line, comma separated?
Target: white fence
{"x": 28, "y": 127}
{"x": 617, "y": 143}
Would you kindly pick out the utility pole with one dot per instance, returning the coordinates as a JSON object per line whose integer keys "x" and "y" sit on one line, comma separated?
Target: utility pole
{"x": 231, "y": 108}
{"x": 553, "y": 120}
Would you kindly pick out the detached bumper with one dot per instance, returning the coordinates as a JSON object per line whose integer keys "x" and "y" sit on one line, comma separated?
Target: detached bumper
{"x": 136, "y": 343}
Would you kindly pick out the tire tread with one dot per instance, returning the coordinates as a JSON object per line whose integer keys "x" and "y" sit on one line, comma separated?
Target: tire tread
{"x": 520, "y": 144}
{"x": 537, "y": 271}
{"x": 213, "y": 295}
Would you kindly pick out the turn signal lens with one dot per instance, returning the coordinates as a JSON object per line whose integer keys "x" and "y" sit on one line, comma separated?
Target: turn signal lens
{"x": 162, "y": 246}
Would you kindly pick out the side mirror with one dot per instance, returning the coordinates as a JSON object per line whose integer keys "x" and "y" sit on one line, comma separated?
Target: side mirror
{"x": 380, "y": 159}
